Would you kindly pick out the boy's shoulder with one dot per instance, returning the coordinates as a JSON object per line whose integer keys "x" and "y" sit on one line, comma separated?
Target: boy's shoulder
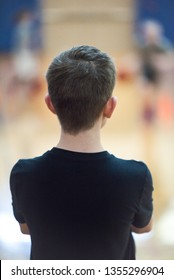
{"x": 26, "y": 165}
{"x": 133, "y": 169}
{"x": 130, "y": 163}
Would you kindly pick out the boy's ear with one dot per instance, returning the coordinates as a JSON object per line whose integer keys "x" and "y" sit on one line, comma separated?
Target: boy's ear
{"x": 49, "y": 104}
{"x": 109, "y": 107}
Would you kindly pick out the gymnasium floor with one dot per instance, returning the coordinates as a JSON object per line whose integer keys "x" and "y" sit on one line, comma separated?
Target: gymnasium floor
{"x": 27, "y": 129}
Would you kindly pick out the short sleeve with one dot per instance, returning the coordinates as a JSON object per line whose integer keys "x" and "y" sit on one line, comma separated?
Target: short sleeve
{"x": 144, "y": 214}
{"x": 14, "y": 184}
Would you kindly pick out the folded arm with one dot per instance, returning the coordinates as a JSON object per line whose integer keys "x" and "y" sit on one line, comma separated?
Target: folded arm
{"x": 24, "y": 228}
{"x": 145, "y": 229}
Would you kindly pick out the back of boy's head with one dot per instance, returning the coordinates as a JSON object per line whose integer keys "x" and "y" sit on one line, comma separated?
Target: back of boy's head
{"x": 80, "y": 82}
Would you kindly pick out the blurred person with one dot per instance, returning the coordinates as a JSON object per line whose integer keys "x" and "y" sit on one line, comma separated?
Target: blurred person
{"x": 155, "y": 55}
{"x": 78, "y": 201}
{"x": 25, "y": 46}
{"x": 21, "y": 68}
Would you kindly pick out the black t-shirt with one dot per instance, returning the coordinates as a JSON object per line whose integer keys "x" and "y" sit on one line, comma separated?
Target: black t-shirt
{"x": 81, "y": 205}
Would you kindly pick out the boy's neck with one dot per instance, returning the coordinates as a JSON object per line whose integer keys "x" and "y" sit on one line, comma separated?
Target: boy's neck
{"x": 85, "y": 142}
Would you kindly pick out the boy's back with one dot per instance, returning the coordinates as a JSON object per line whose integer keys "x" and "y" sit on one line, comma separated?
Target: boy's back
{"x": 81, "y": 205}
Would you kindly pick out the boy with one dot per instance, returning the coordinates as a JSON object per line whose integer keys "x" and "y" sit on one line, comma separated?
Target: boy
{"x": 77, "y": 201}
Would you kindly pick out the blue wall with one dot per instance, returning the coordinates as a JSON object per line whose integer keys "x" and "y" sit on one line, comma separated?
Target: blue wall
{"x": 160, "y": 10}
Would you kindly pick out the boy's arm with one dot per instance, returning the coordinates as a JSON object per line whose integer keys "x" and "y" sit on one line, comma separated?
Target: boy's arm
{"x": 145, "y": 229}
{"x": 24, "y": 228}
{"x": 16, "y": 179}
{"x": 143, "y": 220}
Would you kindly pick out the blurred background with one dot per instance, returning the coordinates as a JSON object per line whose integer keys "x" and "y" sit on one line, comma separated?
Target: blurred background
{"x": 139, "y": 35}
